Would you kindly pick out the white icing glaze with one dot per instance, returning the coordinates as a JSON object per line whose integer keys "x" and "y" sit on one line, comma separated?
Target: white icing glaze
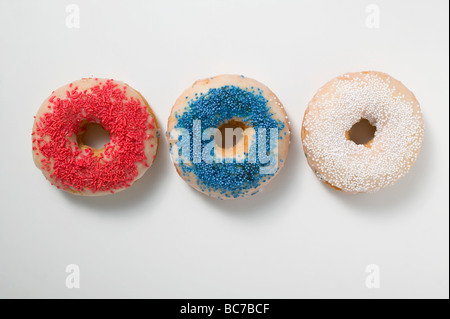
{"x": 87, "y": 84}
{"x": 387, "y": 104}
{"x": 203, "y": 86}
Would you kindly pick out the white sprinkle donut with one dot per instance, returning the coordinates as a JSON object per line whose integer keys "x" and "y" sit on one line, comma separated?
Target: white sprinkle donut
{"x": 359, "y": 168}
{"x": 236, "y": 101}
{"x": 69, "y": 164}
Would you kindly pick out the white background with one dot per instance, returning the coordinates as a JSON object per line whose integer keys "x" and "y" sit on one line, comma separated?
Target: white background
{"x": 160, "y": 238}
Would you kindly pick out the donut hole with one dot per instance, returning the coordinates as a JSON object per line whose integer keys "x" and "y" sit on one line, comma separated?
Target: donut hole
{"x": 362, "y": 133}
{"x": 93, "y": 135}
{"x": 231, "y": 134}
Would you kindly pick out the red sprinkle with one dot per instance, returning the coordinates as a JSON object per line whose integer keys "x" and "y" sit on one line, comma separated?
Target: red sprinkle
{"x": 125, "y": 118}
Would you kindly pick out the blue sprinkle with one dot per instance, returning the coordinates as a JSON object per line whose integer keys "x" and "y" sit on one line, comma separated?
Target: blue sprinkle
{"x": 215, "y": 108}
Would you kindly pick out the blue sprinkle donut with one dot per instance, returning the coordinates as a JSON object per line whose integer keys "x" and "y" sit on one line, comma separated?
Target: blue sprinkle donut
{"x": 205, "y": 152}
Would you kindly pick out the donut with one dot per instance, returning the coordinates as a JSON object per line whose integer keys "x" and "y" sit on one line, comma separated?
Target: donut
{"x": 232, "y": 103}
{"x": 369, "y": 166}
{"x": 69, "y": 164}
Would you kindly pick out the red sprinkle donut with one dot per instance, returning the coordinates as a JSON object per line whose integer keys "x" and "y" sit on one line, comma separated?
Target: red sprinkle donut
{"x": 61, "y": 121}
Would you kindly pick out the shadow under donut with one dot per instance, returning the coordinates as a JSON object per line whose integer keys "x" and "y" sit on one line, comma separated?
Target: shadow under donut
{"x": 146, "y": 188}
{"x": 407, "y": 188}
{"x": 268, "y": 200}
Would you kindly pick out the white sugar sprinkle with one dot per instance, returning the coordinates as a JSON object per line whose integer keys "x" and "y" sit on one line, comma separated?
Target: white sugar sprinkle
{"x": 344, "y": 102}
